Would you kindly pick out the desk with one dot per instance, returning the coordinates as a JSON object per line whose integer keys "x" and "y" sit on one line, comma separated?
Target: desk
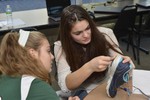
{"x": 39, "y": 19}
{"x": 116, "y": 7}
{"x": 99, "y": 93}
{"x": 33, "y": 18}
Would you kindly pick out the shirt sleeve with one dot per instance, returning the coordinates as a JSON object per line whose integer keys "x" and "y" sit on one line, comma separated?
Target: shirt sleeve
{"x": 63, "y": 69}
{"x": 40, "y": 90}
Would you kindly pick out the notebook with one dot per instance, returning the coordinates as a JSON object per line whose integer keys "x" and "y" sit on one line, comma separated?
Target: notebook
{"x": 55, "y": 7}
{"x": 145, "y": 4}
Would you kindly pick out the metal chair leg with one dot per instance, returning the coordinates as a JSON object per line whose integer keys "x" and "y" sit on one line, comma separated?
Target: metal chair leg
{"x": 128, "y": 43}
{"x": 131, "y": 42}
{"x": 138, "y": 48}
{"x": 133, "y": 49}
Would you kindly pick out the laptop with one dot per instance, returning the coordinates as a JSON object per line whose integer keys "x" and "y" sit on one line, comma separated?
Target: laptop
{"x": 144, "y": 4}
{"x": 55, "y": 7}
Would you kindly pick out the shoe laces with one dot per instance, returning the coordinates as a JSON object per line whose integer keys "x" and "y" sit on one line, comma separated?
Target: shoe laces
{"x": 126, "y": 90}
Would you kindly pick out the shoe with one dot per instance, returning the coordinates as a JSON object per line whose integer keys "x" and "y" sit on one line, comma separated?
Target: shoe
{"x": 119, "y": 74}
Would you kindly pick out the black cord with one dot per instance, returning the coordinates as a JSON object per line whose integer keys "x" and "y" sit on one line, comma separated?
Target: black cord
{"x": 142, "y": 92}
{"x": 129, "y": 91}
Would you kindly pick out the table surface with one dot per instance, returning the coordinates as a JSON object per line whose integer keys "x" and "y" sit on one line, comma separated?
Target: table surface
{"x": 115, "y": 8}
{"x": 99, "y": 93}
{"x": 32, "y": 18}
{"x": 39, "y": 19}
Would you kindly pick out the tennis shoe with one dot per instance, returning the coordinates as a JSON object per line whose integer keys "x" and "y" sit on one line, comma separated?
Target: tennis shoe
{"x": 119, "y": 74}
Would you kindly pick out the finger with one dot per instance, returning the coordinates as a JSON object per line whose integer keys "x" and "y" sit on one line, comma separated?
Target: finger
{"x": 102, "y": 68}
{"x": 106, "y": 58}
{"x": 126, "y": 59}
{"x": 105, "y": 63}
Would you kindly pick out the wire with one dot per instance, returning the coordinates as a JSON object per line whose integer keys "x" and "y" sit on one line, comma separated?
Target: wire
{"x": 142, "y": 92}
{"x": 129, "y": 91}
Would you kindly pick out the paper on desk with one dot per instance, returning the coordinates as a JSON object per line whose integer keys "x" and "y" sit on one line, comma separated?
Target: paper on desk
{"x": 3, "y": 23}
{"x": 16, "y": 22}
{"x": 141, "y": 80}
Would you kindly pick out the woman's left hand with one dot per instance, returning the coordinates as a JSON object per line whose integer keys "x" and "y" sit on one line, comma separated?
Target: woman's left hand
{"x": 126, "y": 59}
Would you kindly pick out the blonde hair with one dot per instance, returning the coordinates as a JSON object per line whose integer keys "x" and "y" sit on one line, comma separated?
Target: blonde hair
{"x": 15, "y": 60}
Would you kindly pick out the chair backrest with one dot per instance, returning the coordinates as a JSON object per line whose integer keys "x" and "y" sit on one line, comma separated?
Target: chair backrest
{"x": 126, "y": 20}
{"x": 147, "y": 22}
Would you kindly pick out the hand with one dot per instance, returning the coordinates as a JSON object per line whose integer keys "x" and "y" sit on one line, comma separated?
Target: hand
{"x": 74, "y": 98}
{"x": 100, "y": 63}
{"x": 126, "y": 59}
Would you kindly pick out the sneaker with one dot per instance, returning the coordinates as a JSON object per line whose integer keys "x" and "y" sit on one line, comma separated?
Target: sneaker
{"x": 119, "y": 74}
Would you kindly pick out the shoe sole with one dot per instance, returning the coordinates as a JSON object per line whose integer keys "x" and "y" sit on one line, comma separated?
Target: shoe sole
{"x": 116, "y": 61}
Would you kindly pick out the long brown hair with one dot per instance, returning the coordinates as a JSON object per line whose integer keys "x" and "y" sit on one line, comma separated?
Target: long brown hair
{"x": 75, "y": 55}
{"x": 15, "y": 60}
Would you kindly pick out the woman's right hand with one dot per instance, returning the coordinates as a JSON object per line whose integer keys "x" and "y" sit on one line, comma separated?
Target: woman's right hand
{"x": 100, "y": 63}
